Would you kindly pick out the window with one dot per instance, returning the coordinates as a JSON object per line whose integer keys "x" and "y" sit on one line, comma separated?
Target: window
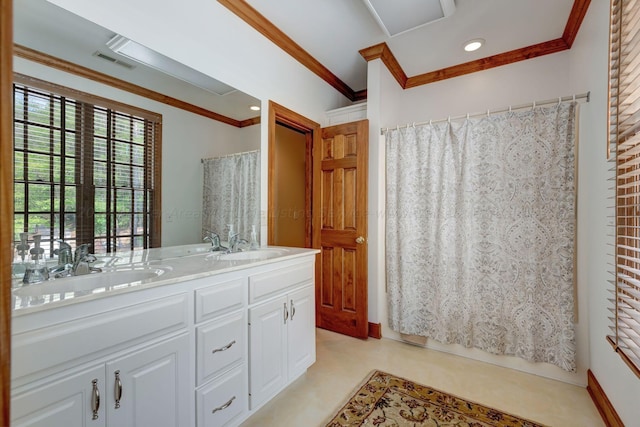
{"x": 624, "y": 145}
{"x": 87, "y": 170}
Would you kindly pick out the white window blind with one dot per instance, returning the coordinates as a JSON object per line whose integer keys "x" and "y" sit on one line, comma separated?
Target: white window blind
{"x": 624, "y": 150}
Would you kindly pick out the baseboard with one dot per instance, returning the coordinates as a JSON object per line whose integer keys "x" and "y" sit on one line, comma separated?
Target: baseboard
{"x": 375, "y": 330}
{"x": 600, "y": 399}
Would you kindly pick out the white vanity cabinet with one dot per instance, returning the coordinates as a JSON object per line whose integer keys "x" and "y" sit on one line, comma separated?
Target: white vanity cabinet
{"x": 221, "y": 353}
{"x": 200, "y": 350}
{"x": 281, "y": 329}
{"x": 120, "y": 367}
{"x": 68, "y": 401}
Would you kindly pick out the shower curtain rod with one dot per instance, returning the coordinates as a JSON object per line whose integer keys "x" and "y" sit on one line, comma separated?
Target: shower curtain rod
{"x": 583, "y": 96}
{"x": 229, "y": 155}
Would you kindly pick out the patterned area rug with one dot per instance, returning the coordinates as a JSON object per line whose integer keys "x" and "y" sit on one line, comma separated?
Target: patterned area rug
{"x": 385, "y": 400}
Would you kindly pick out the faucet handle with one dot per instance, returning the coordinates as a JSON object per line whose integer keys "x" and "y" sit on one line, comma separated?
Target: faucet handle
{"x": 65, "y": 255}
{"x": 81, "y": 251}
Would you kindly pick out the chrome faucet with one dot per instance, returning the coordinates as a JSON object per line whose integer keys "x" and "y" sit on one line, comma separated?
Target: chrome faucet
{"x": 81, "y": 261}
{"x": 65, "y": 259}
{"x": 235, "y": 241}
{"x": 214, "y": 238}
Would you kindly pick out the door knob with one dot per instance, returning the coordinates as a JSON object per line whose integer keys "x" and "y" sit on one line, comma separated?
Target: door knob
{"x": 360, "y": 240}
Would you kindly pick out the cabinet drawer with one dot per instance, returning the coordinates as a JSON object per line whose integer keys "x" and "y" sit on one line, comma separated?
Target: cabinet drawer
{"x": 75, "y": 341}
{"x": 265, "y": 285}
{"x": 223, "y": 402}
{"x": 220, "y": 298}
{"x": 220, "y": 345}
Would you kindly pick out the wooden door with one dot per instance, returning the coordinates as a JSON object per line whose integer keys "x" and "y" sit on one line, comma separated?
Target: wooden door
{"x": 340, "y": 160}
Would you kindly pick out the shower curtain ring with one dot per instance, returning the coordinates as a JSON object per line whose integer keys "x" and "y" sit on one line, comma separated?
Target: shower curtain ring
{"x": 534, "y": 106}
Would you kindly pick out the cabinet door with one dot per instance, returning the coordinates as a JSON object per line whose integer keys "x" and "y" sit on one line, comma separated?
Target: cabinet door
{"x": 267, "y": 350}
{"x": 67, "y": 402}
{"x": 301, "y": 331}
{"x": 154, "y": 384}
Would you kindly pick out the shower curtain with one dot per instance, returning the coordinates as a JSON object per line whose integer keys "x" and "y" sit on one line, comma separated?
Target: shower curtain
{"x": 231, "y": 194}
{"x": 480, "y": 225}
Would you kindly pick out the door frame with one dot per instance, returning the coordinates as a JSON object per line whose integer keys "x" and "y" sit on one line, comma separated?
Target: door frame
{"x": 6, "y": 202}
{"x": 280, "y": 115}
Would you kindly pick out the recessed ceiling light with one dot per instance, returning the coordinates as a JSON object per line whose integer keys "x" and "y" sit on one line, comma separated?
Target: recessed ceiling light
{"x": 474, "y": 44}
{"x": 255, "y": 108}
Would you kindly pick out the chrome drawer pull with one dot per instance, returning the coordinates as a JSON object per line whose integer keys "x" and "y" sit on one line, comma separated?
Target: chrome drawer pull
{"x": 225, "y": 406}
{"x": 95, "y": 399}
{"x": 118, "y": 390}
{"x": 286, "y": 313}
{"x": 226, "y": 347}
{"x": 293, "y": 310}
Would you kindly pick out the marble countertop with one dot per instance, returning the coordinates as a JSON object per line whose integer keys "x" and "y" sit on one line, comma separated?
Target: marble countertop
{"x": 167, "y": 266}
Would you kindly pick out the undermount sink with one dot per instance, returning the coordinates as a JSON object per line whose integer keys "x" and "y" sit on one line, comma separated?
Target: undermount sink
{"x": 254, "y": 255}
{"x": 178, "y": 251}
{"x": 111, "y": 279}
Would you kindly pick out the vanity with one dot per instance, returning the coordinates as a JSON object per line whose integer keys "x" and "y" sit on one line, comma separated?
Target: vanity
{"x": 184, "y": 337}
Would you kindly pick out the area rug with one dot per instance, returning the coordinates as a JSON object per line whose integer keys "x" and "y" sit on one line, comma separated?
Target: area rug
{"x": 385, "y": 400}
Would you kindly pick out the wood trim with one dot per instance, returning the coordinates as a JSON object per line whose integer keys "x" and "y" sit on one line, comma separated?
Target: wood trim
{"x": 6, "y": 203}
{"x": 498, "y": 60}
{"x": 155, "y": 228}
{"x": 382, "y": 51}
{"x": 375, "y": 330}
{"x": 287, "y": 117}
{"x": 85, "y": 97}
{"x": 602, "y": 402}
{"x": 612, "y": 340}
{"x": 249, "y": 122}
{"x": 265, "y": 27}
{"x": 87, "y": 73}
{"x": 578, "y": 12}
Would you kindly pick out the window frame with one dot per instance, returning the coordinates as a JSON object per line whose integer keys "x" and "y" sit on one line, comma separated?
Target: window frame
{"x": 623, "y": 150}
{"x": 85, "y": 161}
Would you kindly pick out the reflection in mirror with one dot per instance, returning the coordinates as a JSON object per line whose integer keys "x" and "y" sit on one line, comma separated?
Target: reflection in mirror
{"x": 82, "y": 172}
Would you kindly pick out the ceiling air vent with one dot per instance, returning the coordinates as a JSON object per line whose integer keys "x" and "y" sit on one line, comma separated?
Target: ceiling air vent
{"x": 399, "y": 16}
{"x": 113, "y": 60}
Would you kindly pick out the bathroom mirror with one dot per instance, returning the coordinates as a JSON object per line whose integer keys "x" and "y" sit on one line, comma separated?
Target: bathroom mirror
{"x": 187, "y": 137}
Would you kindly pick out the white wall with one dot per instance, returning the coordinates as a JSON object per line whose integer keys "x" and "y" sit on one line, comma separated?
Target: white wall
{"x": 520, "y": 83}
{"x": 589, "y": 71}
{"x": 207, "y": 37}
{"x": 186, "y": 138}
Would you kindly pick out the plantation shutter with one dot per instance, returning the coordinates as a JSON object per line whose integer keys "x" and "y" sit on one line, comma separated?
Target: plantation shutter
{"x": 624, "y": 149}
{"x": 87, "y": 169}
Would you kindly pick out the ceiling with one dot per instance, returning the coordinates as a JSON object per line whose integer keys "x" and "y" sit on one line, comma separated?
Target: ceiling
{"x": 330, "y": 31}
{"x": 334, "y": 31}
{"x": 50, "y": 29}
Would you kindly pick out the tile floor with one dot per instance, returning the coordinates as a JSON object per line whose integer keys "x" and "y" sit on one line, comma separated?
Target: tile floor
{"x": 343, "y": 362}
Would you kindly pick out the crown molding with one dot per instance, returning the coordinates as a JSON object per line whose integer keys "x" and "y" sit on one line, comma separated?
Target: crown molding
{"x": 383, "y": 52}
{"x": 265, "y": 27}
{"x": 87, "y": 73}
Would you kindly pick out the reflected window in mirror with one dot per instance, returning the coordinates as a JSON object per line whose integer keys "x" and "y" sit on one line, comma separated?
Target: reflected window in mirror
{"x": 86, "y": 170}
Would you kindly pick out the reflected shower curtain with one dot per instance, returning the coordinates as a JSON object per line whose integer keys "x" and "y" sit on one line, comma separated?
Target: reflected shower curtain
{"x": 231, "y": 194}
{"x": 480, "y": 225}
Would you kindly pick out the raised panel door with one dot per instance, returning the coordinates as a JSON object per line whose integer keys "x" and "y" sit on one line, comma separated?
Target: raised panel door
{"x": 154, "y": 384}
{"x": 267, "y": 350}
{"x": 301, "y": 340}
{"x": 67, "y": 402}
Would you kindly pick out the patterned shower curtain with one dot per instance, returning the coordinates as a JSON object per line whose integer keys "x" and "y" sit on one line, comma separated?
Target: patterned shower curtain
{"x": 480, "y": 226}
{"x": 231, "y": 194}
